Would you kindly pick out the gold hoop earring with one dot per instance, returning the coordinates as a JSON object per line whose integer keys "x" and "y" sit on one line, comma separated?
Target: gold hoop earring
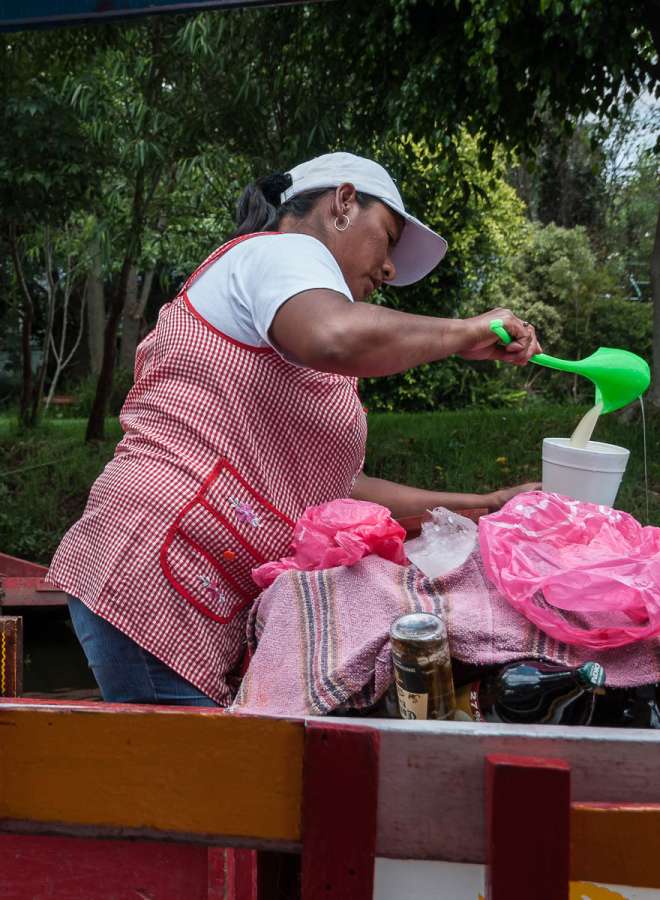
{"x": 345, "y": 225}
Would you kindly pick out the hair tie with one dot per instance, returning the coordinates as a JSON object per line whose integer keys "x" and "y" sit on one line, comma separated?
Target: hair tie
{"x": 273, "y": 186}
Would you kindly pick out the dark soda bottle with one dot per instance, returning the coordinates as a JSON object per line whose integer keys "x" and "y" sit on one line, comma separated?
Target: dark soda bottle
{"x": 531, "y": 691}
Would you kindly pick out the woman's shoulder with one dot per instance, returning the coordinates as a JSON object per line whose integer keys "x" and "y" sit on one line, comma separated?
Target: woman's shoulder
{"x": 280, "y": 244}
{"x": 284, "y": 256}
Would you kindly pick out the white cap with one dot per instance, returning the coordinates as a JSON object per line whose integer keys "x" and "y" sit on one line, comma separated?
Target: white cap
{"x": 417, "y": 251}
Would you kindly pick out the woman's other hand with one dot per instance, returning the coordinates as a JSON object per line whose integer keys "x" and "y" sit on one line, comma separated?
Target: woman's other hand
{"x": 497, "y": 499}
{"x": 485, "y": 344}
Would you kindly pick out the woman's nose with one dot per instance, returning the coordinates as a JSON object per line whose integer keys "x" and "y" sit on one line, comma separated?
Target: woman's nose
{"x": 389, "y": 269}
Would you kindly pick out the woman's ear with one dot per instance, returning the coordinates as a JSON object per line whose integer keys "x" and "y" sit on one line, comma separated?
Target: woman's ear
{"x": 344, "y": 199}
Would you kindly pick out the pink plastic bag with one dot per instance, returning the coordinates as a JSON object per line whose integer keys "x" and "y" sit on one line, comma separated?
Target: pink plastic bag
{"x": 546, "y": 553}
{"x": 338, "y": 533}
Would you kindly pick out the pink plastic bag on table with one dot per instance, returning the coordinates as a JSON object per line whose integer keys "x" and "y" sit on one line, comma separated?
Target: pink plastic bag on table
{"x": 547, "y": 553}
{"x": 338, "y": 533}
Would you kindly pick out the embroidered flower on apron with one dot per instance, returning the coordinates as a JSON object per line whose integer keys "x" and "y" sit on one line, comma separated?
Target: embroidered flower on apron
{"x": 245, "y": 513}
{"x": 212, "y": 586}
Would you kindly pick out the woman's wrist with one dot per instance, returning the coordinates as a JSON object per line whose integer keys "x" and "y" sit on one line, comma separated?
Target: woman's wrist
{"x": 458, "y": 502}
{"x": 457, "y": 336}
{"x": 492, "y": 501}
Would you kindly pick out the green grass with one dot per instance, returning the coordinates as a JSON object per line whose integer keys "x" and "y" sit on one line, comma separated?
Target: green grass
{"x": 45, "y": 475}
{"x": 483, "y": 449}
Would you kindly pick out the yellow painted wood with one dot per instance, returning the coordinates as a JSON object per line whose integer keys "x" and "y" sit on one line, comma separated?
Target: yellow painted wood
{"x": 585, "y": 890}
{"x": 176, "y": 771}
{"x": 616, "y": 844}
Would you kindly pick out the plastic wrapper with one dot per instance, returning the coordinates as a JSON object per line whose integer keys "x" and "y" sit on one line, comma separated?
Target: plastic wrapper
{"x": 338, "y": 533}
{"x": 583, "y": 573}
{"x": 444, "y": 544}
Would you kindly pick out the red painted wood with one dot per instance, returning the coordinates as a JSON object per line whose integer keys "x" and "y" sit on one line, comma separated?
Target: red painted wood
{"x": 245, "y": 874}
{"x": 58, "y": 707}
{"x": 14, "y": 565}
{"x": 340, "y": 796}
{"x": 217, "y": 884}
{"x": 527, "y": 828}
{"x": 60, "y": 868}
{"x": 413, "y": 524}
{"x": 29, "y": 590}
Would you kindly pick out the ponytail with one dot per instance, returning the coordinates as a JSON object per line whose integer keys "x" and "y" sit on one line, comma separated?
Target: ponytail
{"x": 257, "y": 207}
{"x": 260, "y": 206}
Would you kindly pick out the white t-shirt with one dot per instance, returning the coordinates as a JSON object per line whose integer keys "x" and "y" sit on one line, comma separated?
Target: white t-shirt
{"x": 241, "y": 292}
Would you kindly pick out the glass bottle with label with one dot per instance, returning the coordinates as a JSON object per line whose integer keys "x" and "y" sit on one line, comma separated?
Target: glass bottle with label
{"x": 422, "y": 667}
{"x": 531, "y": 691}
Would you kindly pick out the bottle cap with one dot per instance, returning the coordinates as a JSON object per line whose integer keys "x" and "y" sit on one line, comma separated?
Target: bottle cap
{"x": 592, "y": 674}
{"x": 419, "y": 627}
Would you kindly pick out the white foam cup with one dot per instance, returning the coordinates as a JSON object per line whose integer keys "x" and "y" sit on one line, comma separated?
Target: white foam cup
{"x": 592, "y": 473}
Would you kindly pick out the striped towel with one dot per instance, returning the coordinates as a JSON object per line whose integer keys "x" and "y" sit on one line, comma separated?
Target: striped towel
{"x": 320, "y": 640}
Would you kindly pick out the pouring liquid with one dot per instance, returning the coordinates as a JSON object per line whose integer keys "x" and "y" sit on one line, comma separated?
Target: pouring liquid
{"x": 646, "y": 470}
{"x": 585, "y": 427}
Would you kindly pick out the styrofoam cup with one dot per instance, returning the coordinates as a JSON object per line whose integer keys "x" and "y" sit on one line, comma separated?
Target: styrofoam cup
{"x": 592, "y": 473}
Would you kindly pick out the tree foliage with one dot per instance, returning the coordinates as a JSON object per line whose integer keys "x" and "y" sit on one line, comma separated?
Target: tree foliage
{"x": 154, "y": 129}
{"x": 499, "y": 67}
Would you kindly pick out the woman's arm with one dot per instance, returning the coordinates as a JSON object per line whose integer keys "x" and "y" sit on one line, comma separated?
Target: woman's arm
{"x": 403, "y": 500}
{"x": 325, "y": 331}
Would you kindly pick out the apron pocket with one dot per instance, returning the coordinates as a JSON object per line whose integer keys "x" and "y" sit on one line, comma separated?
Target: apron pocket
{"x": 198, "y": 560}
{"x": 254, "y": 522}
{"x": 217, "y": 539}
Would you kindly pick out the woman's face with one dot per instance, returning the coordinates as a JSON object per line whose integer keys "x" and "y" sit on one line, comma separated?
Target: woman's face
{"x": 363, "y": 250}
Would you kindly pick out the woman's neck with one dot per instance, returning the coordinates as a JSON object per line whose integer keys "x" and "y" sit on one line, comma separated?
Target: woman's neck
{"x": 311, "y": 225}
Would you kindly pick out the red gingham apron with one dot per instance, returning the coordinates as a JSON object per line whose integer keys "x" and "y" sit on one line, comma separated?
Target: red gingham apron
{"x": 225, "y": 445}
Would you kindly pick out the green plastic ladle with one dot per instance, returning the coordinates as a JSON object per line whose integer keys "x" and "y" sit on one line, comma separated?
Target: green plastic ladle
{"x": 619, "y": 375}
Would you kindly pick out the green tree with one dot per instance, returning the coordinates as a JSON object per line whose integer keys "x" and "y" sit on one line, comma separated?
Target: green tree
{"x": 45, "y": 174}
{"x": 577, "y": 302}
{"x": 170, "y": 103}
{"x": 485, "y": 223}
{"x": 498, "y": 68}
{"x": 129, "y": 103}
{"x": 628, "y": 234}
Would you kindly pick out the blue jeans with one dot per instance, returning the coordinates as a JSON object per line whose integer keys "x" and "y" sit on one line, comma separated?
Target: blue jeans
{"x": 124, "y": 671}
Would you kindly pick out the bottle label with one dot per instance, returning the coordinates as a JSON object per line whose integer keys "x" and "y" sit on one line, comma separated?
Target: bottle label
{"x": 593, "y": 673}
{"x": 467, "y": 703}
{"x": 411, "y": 705}
{"x": 424, "y": 692}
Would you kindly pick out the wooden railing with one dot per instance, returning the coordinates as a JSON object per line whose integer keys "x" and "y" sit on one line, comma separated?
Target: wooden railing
{"x": 96, "y": 798}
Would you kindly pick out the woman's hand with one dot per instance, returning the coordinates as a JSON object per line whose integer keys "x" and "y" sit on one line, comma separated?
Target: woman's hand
{"x": 485, "y": 344}
{"x": 496, "y": 499}
{"x": 405, "y": 501}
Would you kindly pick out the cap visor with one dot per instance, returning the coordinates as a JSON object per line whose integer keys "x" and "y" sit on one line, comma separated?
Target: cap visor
{"x": 417, "y": 252}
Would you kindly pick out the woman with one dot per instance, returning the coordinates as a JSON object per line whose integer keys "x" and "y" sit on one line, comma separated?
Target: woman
{"x": 244, "y": 412}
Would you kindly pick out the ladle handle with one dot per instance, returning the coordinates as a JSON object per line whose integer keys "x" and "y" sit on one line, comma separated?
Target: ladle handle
{"x": 541, "y": 359}
{"x": 497, "y": 326}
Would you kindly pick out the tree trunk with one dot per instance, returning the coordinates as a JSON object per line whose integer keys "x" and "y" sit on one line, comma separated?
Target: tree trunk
{"x": 62, "y": 358}
{"x": 130, "y": 323}
{"x": 27, "y": 308}
{"x": 96, "y": 422}
{"x": 134, "y": 312}
{"x": 25, "y": 413}
{"x": 40, "y": 380}
{"x": 654, "y": 393}
{"x": 95, "y": 311}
